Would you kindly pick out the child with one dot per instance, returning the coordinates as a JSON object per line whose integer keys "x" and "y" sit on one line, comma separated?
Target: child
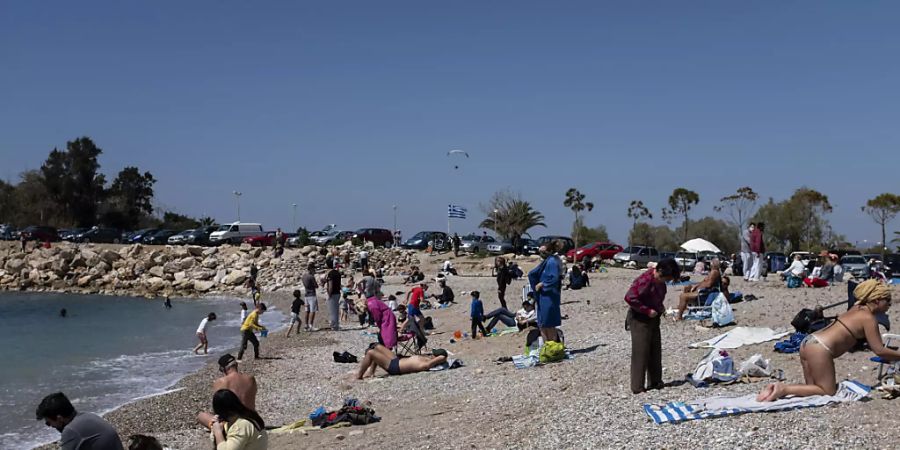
{"x": 477, "y": 313}
{"x": 243, "y": 311}
{"x": 201, "y": 333}
{"x": 296, "y": 306}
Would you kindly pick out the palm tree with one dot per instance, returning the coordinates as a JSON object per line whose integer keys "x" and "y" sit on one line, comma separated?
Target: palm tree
{"x": 511, "y": 218}
{"x": 575, "y": 202}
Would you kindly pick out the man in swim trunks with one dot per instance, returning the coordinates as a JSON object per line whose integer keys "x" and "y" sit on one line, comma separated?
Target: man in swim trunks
{"x": 379, "y": 356}
{"x": 243, "y": 385}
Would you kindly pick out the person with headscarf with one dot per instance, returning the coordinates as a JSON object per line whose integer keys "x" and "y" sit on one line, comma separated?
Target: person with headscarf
{"x": 819, "y": 350}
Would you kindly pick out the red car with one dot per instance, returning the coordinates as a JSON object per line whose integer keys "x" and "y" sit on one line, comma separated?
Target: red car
{"x": 602, "y": 250}
{"x": 262, "y": 240}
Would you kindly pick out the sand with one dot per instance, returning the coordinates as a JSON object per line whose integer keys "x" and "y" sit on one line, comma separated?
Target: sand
{"x": 580, "y": 403}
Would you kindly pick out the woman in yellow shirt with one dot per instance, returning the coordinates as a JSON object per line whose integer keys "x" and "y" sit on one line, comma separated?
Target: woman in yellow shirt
{"x": 236, "y": 427}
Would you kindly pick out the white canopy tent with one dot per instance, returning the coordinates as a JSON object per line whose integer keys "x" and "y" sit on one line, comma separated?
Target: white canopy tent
{"x": 700, "y": 245}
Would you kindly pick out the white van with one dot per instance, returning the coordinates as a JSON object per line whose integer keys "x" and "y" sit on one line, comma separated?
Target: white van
{"x": 234, "y": 233}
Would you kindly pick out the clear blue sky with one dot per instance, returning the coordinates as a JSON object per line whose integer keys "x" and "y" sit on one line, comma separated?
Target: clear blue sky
{"x": 347, "y": 108}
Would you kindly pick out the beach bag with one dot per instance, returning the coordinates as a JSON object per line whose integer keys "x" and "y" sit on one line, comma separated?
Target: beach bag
{"x": 722, "y": 314}
{"x": 794, "y": 282}
{"x": 716, "y": 365}
{"x": 552, "y": 352}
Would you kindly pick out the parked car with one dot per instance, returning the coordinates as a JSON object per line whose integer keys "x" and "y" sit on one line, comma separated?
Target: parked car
{"x": 99, "y": 235}
{"x": 474, "y": 243}
{"x": 892, "y": 261}
{"x": 501, "y": 248}
{"x": 530, "y": 247}
{"x": 40, "y": 233}
{"x": 686, "y": 260}
{"x": 421, "y": 239}
{"x": 855, "y": 265}
{"x": 602, "y": 250}
{"x": 568, "y": 243}
{"x": 266, "y": 239}
{"x": 8, "y": 233}
{"x": 666, "y": 255}
{"x": 179, "y": 238}
{"x": 875, "y": 256}
{"x": 234, "y": 233}
{"x": 842, "y": 252}
{"x": 332, "y": 237}
{"x": 160, "y": 237}
{"x": 139, "y": 235}
{"x": 377, "y": 236}
{"x": 200, "y": 236}
{"x": 637, "y": 253}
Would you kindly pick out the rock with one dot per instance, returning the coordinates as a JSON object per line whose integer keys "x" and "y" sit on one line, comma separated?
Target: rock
{"x": 179, "y": 276}
{"x": 194, "y": 250}
{"x": 210, "y": 251}
{"x": 156, "y": 271}
{"x": 171, "y": 267}
{"x": 203, "y": 286}
{"x": 15, "y": 265}
{"x": 255, "y": 252}
{"x": 210, "y": 263}
{"x": 235, "y": 278}
{"x": 85, "y": 280}
{"x": 156, "y": 284}
{"x": 220, "y": 275}
{"x": 187, "y": 263}
{"x": 245, "y": 247}
{"x": 110, "y": 256}
{"x": 203, "y": 274}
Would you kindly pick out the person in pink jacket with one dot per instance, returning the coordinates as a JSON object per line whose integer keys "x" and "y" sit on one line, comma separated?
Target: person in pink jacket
{"x": 383, "y": 317}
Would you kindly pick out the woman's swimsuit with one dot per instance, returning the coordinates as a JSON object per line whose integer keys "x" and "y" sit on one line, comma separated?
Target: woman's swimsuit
{"x": 813, "y": 339}
{"x": 394, "y": 367}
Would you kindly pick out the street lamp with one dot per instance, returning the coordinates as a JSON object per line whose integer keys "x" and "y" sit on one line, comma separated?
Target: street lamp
{"x": 294, "y": 221}
{"x": 395, "y": 217}
{"x": 237, "y": 200}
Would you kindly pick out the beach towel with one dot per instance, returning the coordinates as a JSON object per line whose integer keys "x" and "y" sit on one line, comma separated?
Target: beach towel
{"x": 739, "y": 337}
{"x": 449, "y": 364}
{"x": 677, "y": 412}
{"x": 791, "y": 344}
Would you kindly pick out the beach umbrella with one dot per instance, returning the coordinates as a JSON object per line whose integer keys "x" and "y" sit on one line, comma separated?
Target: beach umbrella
{"x": 700, "y": 245}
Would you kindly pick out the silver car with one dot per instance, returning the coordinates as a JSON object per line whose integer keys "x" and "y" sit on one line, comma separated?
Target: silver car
{"x": 180, "y": 238}
{"x": 686, "y": 260}
{"x": 501, "y": 248}
{"x": 639, "y": 254}
{"x": 855, "y": 265}
{"x": 474, "y": 243}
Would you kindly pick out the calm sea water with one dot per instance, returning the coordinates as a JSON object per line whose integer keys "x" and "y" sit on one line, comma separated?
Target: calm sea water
{"x": 107, "y": 352}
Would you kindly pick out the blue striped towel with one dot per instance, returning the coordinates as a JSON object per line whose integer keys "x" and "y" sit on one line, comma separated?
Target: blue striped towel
{"x": 677, "y": 412}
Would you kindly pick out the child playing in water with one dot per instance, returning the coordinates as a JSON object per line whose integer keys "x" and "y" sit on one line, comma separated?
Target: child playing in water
{"x": 243, "y": 311}
{"x": 201, "y": 333}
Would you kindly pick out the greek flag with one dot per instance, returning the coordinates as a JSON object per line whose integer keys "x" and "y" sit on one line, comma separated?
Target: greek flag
{"x": 456, "y": 212}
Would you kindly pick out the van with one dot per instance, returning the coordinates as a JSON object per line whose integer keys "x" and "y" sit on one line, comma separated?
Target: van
{"x": 234, "y": 233}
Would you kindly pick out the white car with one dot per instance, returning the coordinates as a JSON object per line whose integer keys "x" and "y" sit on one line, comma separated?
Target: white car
{"x": 234, "y": 233}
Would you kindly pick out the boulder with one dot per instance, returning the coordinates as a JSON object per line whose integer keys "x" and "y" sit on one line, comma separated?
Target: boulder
{"x": 235, "y": 278}
{"x": 220, "y": 276}
{"x": 171, "y": 267}
{"x": 109, "y": 256}
{"x": 187, "y": 262}
{"x": 15, "y": 265}
{"x": 210, "y": 251}
{"x": 204, "y": 274}
{"x": 203, "y": 286}
{"x": 156, "y": 284}
{"x": 245, "y": 247}
{"x": 86, "y": 279}
{"x": 210, "y": 263}
{"x": 156, "y": 271}
{"x": 194, "y": 250}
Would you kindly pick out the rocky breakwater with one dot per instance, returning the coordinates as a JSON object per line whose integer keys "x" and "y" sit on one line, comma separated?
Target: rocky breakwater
{"x": 175, "y": 270}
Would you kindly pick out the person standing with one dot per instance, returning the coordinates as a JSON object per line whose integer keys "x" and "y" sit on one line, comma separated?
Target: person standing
{"x": 413, "y": 299}
{"x": 456, "y": 242}
{"x": 296, "y": 306}
{"x": 254, "y": 271}
{"x": 746, "y": 262}
{"x": 201, "y": 333}
{"x": 168, "y": 303}
{"x": 504, "y": 278}
{"x": 645, "y": 305}
{"x": 384, "y": 319}
{"x": 364, "y": 260}
{"x": 476, "y": 312}
{"x": 312, "y": 303}
{"x": 248, "y": 328}
{"x": 756, "y": 252}
{"x": 546, "y": 283}
{"x": 333, "y": 289}
{"x": 79, "y": 431}
{"x": 23, "y": 240}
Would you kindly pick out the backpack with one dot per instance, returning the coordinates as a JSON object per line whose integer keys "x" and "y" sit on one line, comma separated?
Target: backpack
{"x": 552, "y": 352}
{"x": 722, "y": 314}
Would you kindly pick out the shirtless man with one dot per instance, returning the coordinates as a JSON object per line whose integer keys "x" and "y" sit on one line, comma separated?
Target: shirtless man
{"x": 379, "y": 356}
{"x": 244, "y": 386}
{"x": 712, "y": 281}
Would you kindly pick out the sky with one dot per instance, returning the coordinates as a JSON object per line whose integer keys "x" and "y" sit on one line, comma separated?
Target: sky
{"x": 349, "y": 108}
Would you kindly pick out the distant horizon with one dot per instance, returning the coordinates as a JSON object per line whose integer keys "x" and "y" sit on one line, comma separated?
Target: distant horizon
{"x": 347, "y": 110}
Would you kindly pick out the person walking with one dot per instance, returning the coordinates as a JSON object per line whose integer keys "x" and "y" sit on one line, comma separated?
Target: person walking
{"x": 251, "y": 325}
{"x": 504, "y": 278}
{"x": 746, "y": 262}
{"x": 201, "y": 333}
{"x": 645, "y": 305}
{"x": 312, "y": 303}
{"x": 756, "y": 252}
{"x": 333, "y": 289}
{"x": 296, "y": 306}
{"x": 546, "y": 283}
{"x": 476, "y": 312}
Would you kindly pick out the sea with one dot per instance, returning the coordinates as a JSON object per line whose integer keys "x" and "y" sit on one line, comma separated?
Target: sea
{"x": 106, "y": 352}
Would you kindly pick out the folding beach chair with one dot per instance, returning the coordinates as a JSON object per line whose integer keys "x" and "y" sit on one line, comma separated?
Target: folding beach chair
{"x": 887, "y": 368}
{"x": 412, "y": 341}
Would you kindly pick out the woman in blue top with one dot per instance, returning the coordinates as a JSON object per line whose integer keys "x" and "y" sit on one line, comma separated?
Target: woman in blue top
{"x": 546, "y": 281}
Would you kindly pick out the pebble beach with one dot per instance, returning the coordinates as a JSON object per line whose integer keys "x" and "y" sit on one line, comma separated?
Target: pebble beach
{"x": 584, "y": 402}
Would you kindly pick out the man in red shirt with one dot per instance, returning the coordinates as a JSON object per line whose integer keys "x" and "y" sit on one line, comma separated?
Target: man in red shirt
{"x": 645, "y": 306}
{"x": 413, "y": 299}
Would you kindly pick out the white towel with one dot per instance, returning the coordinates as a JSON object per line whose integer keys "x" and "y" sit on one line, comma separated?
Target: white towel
{"x": 739, "y": 337}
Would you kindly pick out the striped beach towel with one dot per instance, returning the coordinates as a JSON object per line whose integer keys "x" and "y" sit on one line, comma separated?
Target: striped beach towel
{"x": 677, "y": 412}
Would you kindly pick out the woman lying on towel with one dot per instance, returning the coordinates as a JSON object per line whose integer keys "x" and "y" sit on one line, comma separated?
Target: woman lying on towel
{"x": 818, "y": 350}
{"x": 379, "y": 356}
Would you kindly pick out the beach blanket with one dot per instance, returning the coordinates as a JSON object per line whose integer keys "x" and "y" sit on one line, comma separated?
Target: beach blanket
{"x": 677, "y": 412}
{"x": 791, "y": 344}
{"x": 739, "y": 337}
{"x": 449, "y": 364}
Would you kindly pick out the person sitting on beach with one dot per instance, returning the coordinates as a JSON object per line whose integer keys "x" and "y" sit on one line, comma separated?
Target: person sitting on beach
{"x": 819, "y": 350}
{"x": 795, "y": 270}
{"x": 201, "y": 333}
{"x": 243, "y": 385}
{"x": 447, "y": 267}
{"x": 80, "y": 431}
{"x": 522, "y": 319}
{"x": 826, "y": 273}
{"x": 446, "y": 296}
{"x": 415, "y": 277}
{"x": 578, "y": 278}
{"x": 712, "y": 281}
{"x": 235, "y": 426}
{"x": 248, "y": 328}
{"x": 380, "y": 356}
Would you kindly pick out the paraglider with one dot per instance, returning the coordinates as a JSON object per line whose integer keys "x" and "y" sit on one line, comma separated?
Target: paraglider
{"x": 456, "y": 154}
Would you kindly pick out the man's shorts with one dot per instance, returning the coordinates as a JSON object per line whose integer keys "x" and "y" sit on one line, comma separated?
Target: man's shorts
{"x": 202, "y": 337}
{"x": 295, "y": 318}
{"x": 312, "y": 304}
{"x": 413, "y": 311}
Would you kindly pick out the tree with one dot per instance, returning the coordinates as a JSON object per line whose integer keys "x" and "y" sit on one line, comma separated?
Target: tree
{"x": 739, "y": 206}
{"x": 509, "y": 216}
{"x": 798, "y": 221}
{"x": 883, "y": 209}
{"x": 177, "y": 221}
{"x": 596, "y": 234}
{"x": 637, "y": 211}
{"x": 72, "y": 180}
{"x": 129, "y": 198}
{"x": 33, "y": 202}
{"x": 680, "y": 203}
{"x": 721, "y": 233}
{"x": 575, "y": 202}
{"x": 207, "y": 221}
{"x": 662, "y": 237}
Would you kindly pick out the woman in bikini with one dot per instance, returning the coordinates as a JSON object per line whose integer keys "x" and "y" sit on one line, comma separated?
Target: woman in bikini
{"x": 818, "y": 350}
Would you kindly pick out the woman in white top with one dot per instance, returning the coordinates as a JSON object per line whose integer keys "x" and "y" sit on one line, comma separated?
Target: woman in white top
{"x": 201, "y": 333}
{"x": 235, "y": 426}
{"x": 797, "y": 269}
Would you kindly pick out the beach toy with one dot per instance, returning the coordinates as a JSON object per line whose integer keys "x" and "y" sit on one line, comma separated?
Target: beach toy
{"x": 493, "y": 331}
{"x": 452, "y": 341}
{"x": 264, "y": 333}
{"x": 465, "y": 334}
{"x": 457, "y": 334}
